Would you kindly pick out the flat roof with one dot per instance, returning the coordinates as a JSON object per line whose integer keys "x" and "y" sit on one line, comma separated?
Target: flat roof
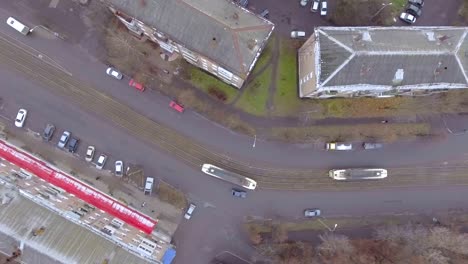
{"x": 230, "y": 35}
{"x": 366, "y": 58}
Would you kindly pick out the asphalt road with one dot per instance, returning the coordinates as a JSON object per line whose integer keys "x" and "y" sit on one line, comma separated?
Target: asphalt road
{"x": 215, "y": 225}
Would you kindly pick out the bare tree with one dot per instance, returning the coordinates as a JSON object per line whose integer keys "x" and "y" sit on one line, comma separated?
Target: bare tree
{"x": 279, "y": 233}
{"x": 435, "y": 256}
{"x": 333, "y": 244}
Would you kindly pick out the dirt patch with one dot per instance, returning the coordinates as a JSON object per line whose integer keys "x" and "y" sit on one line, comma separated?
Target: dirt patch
{"x": 362, "y": 13}
{"x": 380, "y": 132}
{"x": 171, "y": 195}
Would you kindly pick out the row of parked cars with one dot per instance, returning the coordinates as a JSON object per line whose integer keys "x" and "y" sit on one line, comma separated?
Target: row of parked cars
{"x": 316, "y": 4}
{"x": 113, "y": 72}
{"x": 69, "y": 142}
{"x": 349, "y": 146}
{"x": 413, "y": 11}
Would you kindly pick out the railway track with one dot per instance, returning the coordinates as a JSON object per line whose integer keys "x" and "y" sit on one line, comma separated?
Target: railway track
{"x": 19, "y": 58}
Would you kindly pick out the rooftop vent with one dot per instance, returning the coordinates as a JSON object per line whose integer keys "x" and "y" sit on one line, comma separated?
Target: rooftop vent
{"x": 366, "y": 36}
{"x": 430, "y": 36}
{"x": 251, "y": 44}
{"x": 398, "y": 78}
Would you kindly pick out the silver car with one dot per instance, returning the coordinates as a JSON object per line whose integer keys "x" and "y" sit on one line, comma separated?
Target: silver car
{"x": 64, "y": 139}
{"x": 190, "y": 210}
{"x": 101, "y": 162}
{"x": 114, "y": 73}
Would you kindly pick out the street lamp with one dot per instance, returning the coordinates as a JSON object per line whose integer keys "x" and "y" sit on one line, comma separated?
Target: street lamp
{"x": 255, "y": 141}
{"x": 326, "y": 226}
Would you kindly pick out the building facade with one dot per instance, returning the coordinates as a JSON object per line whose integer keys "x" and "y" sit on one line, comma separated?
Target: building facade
{"x": 217, "y": 36}
{"x": 382, "y": 61}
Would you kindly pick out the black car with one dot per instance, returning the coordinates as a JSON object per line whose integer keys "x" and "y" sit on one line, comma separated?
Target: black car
{"x": 239, "y": 193}
{"x": 48, "y": 132}
{"x": 414, "y": 10}
{"x": 419, "y": 3}
{"x": 243, "y": 3}
{"x": 73, "y": 145}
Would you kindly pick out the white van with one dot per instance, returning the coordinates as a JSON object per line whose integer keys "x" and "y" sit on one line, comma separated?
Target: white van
{"x": 297, "y": 34}
{"x": 149, "y": 185}
{"x": 20, "y": 27}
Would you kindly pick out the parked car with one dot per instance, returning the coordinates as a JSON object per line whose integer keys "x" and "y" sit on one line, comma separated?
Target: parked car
{"x": 265, "y": 13}
{"x": 338, "y": 146}
{"x": 64, "y": 139}
{"x": 73, "y": 145}
{"x": 315, "y": 6}
{"x": 368, "y": 145}
{"x": 101, "y": 162}
{"x": 48, "y": 132}
{"x": 21, "y": 117}
{"x": 137, "y": 85}
{"x": 243, "y": 3}
{"x": 114, "y": 73}
{"x": 323, "y": 8}
{"x": 419, "y": 3}
{"x": 408, "y": 18}
{"x": 297, "y": 34}
{"x": 414, "y": 10}
{"x": 190, "y": 210}
{"x": 239, "y": 193}
{"x": 90, "y": 153}
{"x": 311, "y": 212}
{"x": 179, "y": 108}
{"x": 119, "y": 167}
{"x": 149, "y": 185}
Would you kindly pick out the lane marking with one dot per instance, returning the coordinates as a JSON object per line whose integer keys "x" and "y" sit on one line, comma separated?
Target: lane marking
{"x": 53, "y": 3}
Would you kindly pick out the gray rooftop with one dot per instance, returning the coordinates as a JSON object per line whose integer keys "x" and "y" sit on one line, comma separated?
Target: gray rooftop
{"x": 218, "y": 29}
{"x": 365, "y": 58}
{"x": 62, "y": 242}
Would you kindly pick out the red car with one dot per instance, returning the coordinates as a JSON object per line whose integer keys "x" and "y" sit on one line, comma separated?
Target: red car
{"x": 176, "y": 107}
{"x": 137, "y": 85}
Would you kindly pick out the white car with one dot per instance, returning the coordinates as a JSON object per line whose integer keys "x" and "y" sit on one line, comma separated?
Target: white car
{"x": 408, "y": 18}
{"x": 297, "y": 34}
{"x": 304, "y": 2}
{"x": 119, "y": 168}
{"x": 311, "y": 212}
{"x": 189, "y": 212}
{"x": 21, "y": 117}
{"x": 101, "y": 162}
{"x": 315, "y": 6}
{"x": 338, "y": 146}
{"x": 323, "y": 8}
{"x": 114, "y": 73}
{"x": 90, "y": 153}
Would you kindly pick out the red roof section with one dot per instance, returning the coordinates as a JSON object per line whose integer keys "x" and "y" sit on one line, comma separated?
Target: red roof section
{"x": 77, "y": 188}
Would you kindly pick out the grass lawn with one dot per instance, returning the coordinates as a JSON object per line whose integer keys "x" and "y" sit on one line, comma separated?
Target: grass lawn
{"x": 387, "y": 132}
{"x": 206, "y": 81}
{"x": 255, "y": 96}
{"x": 286, "y": 101}
{"x": 265, "y": 56}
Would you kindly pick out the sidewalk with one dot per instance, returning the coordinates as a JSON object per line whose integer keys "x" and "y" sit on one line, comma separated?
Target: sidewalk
{"x": 167, "y": 215}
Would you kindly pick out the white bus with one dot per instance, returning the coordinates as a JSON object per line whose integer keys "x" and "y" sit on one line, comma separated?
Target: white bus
{"x": 357, "y": 174}
{"x": 229, "y": 176}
